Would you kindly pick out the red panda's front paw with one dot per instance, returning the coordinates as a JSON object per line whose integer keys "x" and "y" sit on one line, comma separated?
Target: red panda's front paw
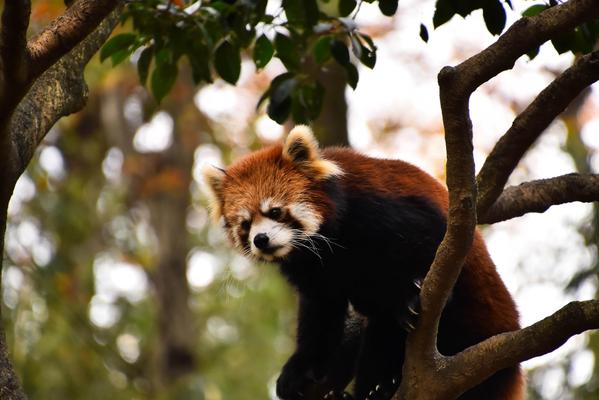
{"x": 333, "y": 395}
{"x": 383, "y": 391}
{"x": 291, "y": 386}
{"x": 295, "y": 377}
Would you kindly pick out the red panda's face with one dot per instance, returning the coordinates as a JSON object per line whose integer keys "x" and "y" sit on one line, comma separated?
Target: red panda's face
{"x": 268, "y": 201}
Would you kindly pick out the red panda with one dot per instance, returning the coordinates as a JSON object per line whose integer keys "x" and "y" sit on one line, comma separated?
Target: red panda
{"x": 351, "y": 232}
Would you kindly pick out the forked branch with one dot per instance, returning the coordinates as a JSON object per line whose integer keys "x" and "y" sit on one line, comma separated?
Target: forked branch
{"x": 537, "y": 196}
{"x": 66, "y": 31}
{"x": 511, "y": 348}
{"x": 529, "y": 125}
{"x": 427, "y": 374}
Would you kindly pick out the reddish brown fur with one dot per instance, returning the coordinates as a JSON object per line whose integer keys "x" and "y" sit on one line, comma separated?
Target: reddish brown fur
{"x": 266, "y": 173}
{"x": 383, "y": 177}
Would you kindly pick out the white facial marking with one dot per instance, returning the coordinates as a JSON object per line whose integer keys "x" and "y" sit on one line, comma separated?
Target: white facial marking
{"x": 279, "y": 237}
{"x": 267, "y": 204}
{"x": 307, "y": 216}
{"x": 244, "y": 215}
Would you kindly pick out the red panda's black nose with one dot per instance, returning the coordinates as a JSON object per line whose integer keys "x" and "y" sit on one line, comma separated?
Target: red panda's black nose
{"x": 261, "y": 241}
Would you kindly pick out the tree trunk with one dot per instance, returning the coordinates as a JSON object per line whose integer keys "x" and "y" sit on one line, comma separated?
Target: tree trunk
{"x": 331, "y": 126}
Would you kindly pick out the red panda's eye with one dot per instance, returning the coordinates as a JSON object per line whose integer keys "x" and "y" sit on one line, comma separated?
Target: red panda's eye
{"x": 245, "y": 225}
{"x": 274, "y": 213}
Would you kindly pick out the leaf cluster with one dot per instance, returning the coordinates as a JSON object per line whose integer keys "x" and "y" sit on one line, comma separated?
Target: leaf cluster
{"x": 304, "y": 35}
{"x": 214, "y": 36}
{"x": 579, "y": 40}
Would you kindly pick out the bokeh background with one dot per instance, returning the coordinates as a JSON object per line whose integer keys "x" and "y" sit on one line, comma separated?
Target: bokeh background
{"x": 118, "y": 286}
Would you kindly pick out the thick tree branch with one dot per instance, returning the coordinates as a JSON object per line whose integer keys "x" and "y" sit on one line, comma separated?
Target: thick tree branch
{"x": 13, "y": 40}
{"x": 65, "y": 32}
{"x": 427, "y": 374}
{"x": 60, "y": 91}
{"x": 523, "y": 36}
{"x": 511, "y": 348}
{"x": 537, "y": 196}
{"x": 529, "y": 125}
{"x": 13, "y": 59}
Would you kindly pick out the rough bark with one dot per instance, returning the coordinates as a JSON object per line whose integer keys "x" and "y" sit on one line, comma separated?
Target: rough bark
{"x": 537, "y": 196}
{"x": 27, "y": 115}
{"x": 331, "y": 125}
{"x": 530, "y": 124}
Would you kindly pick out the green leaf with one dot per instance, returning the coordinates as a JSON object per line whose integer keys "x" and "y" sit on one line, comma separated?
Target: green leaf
{"x": 164, "y": 56}
{"x": 163, "y": 79}
{"x": 534, "y": 10}
{"x": 279, "y": 105}
{"x": 287, "y": 51}
{"x": 368, "y": 40}
{"x": 564, "y": 42}
{"x": 143, "y": 64}
{"x": 423, "y": 33}
{"x": 346, "y": 7}
{"x": 119, "y": 56}
{"x": 465, "y": 7}
{"x": 322, "y": 49}
{"x": 583, "y": 40}
{"x": 443, "y": 13}
{"x": 368, "y": 59}
{"x": 356, "y": 46}
{"x": 352, "y": 75}
{"x": 116, "y": 44}
{"x": 340, "y": 52}
{"x": 367, "y": 53}
{"x": 311, "y": 97}
{"x": 199, "y": 57}
{"x": 301, "y": 12}
{"x": 263, "y": 51}
{"x": 275, "y": 82}
{"x": 388, "y": 7}
{"x": 494, "y": 16}
{"x": 533, "y": 53}
{"x": 227, "y": 62}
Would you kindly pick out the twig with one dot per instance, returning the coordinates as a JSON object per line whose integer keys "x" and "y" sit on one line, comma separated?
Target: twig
{"x": 537, "y": 196}
{"x": 530, "y": 124}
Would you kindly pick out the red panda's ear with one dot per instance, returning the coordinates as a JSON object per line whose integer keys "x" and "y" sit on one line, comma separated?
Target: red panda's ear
{"x": 214, "y": 178}
{"x": 301, "y": 148}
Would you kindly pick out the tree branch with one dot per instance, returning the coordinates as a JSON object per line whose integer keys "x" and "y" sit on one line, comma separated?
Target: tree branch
{"x": 426, "y": 373}
{"x": 60, "y": 91}
{"x": 529, "y": 125}
{"x": 537, "y": 196}
{"x": 13, "y": 40}
{"x": 511, "y": 348}
{"x": 66, "y": 31}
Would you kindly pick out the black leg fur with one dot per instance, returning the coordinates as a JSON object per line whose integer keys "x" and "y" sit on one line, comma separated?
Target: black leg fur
{"x": 381, "y": 359}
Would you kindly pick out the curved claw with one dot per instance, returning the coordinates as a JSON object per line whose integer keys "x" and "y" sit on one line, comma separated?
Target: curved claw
{"x": 333, "y": 395}
{"x": 418, "y": 283}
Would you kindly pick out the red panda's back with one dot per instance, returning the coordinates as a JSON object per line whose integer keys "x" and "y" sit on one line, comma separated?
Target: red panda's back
{"x": 482, "y": 305}
{"x": 391, "y": 178}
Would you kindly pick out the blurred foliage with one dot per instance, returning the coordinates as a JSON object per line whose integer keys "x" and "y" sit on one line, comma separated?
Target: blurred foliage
{"x": 73, "y": 338}
{"x": 303, "y": 34}
{"x": 79, "y": 205}
{"x": 212, "y": 35}
{"x": 581, "y": 155}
